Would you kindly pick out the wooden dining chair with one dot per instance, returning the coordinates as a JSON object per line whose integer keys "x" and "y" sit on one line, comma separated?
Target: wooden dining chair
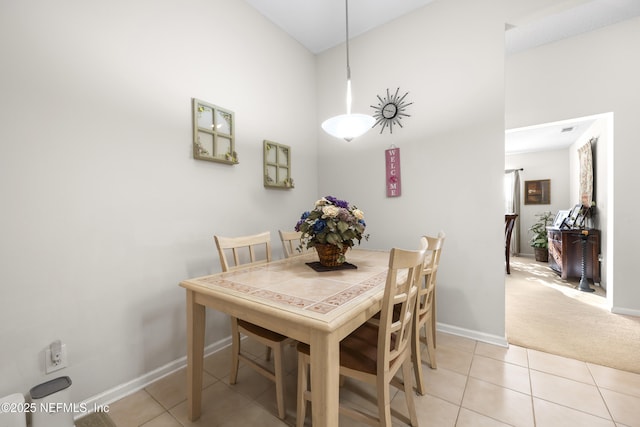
{"x": 244, "y": 251}
{"x": 426, "y": 310}
{"x": 509, "y": 222}
{"x": 291, "y": 242}
{"x": 375, "y": 351}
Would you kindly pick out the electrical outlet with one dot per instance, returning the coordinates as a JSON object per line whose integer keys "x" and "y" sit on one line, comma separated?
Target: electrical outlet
{"x": 49, "y": 365}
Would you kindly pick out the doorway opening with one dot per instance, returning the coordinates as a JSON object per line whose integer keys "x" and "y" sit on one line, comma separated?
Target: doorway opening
{"x": 550, "y": 152}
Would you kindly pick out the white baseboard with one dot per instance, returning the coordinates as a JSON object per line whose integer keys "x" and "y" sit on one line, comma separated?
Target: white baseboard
{"x": 474, "y": 335}
{"x": 625, "y": 311}
{"x": 118, "y": 392}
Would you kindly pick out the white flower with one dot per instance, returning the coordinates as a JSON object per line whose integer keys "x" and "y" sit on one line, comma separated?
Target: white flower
{"x": 330, "y": 211}
{"x": 358, "y": 214}
{"x": 321, "y": 202}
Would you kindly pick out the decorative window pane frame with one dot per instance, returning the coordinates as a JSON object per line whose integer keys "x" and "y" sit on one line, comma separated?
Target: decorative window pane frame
{"x": 277, "y": 165}
{"x": 213, "y": 133}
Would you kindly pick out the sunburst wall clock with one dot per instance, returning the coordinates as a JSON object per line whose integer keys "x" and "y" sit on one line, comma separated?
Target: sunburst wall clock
{"x": 390, "y": 110}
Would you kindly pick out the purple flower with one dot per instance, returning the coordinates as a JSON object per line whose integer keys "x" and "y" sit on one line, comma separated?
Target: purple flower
{"x": 337, "y": 202}
{"x": 345, "y": 215}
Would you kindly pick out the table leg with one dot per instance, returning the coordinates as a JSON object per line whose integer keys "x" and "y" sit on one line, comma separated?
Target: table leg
{"x": 325, "y": 379}
{"x": 195, "y": 355}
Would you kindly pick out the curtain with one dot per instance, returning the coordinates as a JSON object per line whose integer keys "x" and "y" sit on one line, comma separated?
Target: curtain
{"x": 512, "y": 205}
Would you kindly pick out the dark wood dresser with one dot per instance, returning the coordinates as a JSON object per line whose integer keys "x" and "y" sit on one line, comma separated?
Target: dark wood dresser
{"x": 565, "y": 253}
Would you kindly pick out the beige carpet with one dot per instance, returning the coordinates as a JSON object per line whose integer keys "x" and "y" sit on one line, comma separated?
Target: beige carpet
{"x": 546, "y": 313}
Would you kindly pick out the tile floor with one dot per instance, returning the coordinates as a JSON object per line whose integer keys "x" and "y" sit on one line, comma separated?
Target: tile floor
{"x": 475, "y": 385}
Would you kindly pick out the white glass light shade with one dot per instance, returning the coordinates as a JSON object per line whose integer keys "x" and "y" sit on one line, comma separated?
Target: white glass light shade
{"x": 348, "y": 126}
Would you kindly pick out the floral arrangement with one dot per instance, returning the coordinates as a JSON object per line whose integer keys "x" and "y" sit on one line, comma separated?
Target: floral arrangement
{"x": 332, "y": 221}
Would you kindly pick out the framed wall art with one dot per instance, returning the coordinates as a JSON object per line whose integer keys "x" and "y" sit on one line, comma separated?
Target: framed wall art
{"x": 277, "y": 165}
{"x": 213, "y": 133}
{"x": 537, "y": 192}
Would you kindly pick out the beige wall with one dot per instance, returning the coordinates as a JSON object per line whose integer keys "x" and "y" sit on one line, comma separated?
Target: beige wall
{"x": 104, "y": 210}
{"x": 449, "y": 56}
{"x": 553, "y": 165}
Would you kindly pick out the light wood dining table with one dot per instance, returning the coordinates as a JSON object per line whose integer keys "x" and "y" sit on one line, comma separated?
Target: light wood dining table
{"x": 289, "y": 297}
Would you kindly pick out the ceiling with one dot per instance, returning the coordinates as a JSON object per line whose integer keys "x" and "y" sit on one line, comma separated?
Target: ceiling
{"x": 320, "y": 24}
{"x": 545, "y": 137}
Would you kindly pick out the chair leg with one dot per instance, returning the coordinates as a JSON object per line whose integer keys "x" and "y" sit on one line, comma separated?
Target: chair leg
{"x": 408, "y": 392}
{"x": 416, "y": 358}
{"x": 431, "y": 348}
{"x": 278, "y": 365}
{"x": 235, "y": 350}
{"x": 303, "y": 387}
{"x": 434, "y": 315}
{"x": 384, "y": 400}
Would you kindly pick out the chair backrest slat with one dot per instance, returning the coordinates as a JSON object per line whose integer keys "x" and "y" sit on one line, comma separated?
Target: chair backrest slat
{"x": 290, "y": 242}
{"x": 244, "y": 245}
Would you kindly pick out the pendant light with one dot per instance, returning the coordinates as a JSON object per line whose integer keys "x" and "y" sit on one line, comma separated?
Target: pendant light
{"x": 348, "y": 126}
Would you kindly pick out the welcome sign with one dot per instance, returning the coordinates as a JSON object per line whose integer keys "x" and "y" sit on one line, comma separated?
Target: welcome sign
{"x": 394, "y": 187}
